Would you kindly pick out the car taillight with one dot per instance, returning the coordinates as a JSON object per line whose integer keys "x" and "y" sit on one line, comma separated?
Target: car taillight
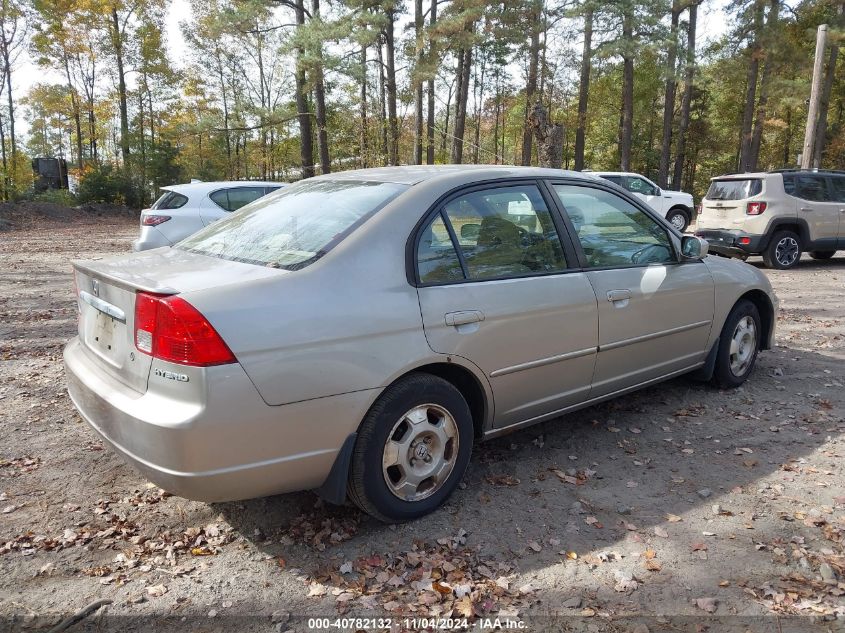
{"x": 154, "y": 220}
{"x": 171, "y": 329}
{"x": 755, "y": 208}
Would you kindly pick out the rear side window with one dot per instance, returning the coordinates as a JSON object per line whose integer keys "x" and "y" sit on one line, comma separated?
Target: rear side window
{"x": 236, "y": 197}
{"x": 838, "y": 185}
{"x": 734, "y": 189}
{"x": 437, "y": 259}
{"x": 170, "y": 200}
{"x": 295, "y": 227}
{"x": 813, "y": 188}
{"x": 501, "y": 232}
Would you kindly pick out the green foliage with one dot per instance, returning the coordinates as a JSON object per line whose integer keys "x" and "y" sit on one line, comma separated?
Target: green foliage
{"x": 54, "y": 196}
{"x": 106, "y": 183}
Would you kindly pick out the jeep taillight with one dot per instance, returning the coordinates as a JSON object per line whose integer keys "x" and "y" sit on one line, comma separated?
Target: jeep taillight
{"x": 169, "y": 328}
{"x": 755, "y": 208}
{"x": 154, "y": 220}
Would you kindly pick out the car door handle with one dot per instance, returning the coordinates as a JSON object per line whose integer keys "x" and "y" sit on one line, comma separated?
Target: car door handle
{"x": 464, "y": 317}
{"x": 806, "y": 209}
{"x": 618, "y": 295}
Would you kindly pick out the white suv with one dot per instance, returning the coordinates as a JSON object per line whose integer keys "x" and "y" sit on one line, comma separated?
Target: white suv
{"x": 184, "y": 209}
{"x": 676, "y": 206}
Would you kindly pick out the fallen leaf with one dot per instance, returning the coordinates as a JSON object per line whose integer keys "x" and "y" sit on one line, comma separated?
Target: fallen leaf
{"x": 673, "y": 518}
{"x": 659, "y": 531}
{"x": 156, "y": 590}
{"x": 706, "y": 604}
{"x": 534, "y": 545}
{"x": 317, "y": 589}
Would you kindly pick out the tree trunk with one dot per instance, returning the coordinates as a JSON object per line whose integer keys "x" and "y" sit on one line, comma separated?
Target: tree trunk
{"x": 390, "y": 86}
{"x": 418, "y": 83}
{"x": 549, "y": 137}
{"x": 765, "y": 81}
{"x": 669, "y": 100}
{"x": 225, "y": 100}
{"x": 306, "y": 144}
{"x": 751, "y": 89}
{"x": 787, "y": 139}
{"x": 320, "y": 98}
{"x": 686, "y": 102}
{"x": 479, "y": 106}
{"x": 363, "y": 106}
{"x": 584, "y": 90}
{"x": 531, "y": 83}
{"x": 383, "y": 102}
{"x": 117, "y": 43}
{"x": 627, "y": 119}
{"x": 429, "y": 154}
{"x": 461, "y": 106}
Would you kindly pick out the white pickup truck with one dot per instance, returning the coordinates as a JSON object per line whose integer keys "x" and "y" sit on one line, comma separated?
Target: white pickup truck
{"x": 676, "y": 206}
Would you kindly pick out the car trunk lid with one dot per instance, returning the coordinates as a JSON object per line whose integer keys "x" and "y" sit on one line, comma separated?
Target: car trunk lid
{"x": 107, "y": 290}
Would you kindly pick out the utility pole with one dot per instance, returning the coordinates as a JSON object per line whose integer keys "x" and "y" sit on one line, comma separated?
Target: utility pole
{"x": 815, "y": 95}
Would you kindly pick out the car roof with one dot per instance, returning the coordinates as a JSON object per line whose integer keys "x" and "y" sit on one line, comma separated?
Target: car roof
{"x": 208, "y": 186}
{"x": 414, "y": 174}
{"x": 616, "y": 173}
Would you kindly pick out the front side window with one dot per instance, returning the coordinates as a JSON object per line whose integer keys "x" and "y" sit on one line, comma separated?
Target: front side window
{"x": 638, "y": 185}
{"x": 504, "y": 232}
{"x": 296, "y": 226}
{"x": 613, "y": 232}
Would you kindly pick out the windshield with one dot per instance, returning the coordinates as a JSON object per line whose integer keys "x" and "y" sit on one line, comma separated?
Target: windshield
{"x": 737, "y": 189}
{"x": 295, "y": 226}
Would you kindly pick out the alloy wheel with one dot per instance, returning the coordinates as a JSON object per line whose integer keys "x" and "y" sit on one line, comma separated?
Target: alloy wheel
{"x": 786, "y": 251}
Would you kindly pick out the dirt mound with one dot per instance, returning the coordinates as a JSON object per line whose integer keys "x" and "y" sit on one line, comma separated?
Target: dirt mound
{"x": 29, "y": 214}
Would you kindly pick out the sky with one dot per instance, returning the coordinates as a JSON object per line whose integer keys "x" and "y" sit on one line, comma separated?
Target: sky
{"x": 713, "y": 22}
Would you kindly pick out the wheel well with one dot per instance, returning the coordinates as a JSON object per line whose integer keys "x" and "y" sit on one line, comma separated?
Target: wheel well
{"x": 767, "y": 313}
{"x": 682, "y": 209}
{"x": 797, "y": 228}
{"x": 464, "y": 381}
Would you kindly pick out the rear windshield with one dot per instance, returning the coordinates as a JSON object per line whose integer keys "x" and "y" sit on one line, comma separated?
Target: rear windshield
{"x": 295, "y": 226}
{"x": 734, "y": 189}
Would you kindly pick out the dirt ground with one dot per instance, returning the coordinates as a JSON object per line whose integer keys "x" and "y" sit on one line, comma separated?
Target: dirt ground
{"x": 680, "y": 508}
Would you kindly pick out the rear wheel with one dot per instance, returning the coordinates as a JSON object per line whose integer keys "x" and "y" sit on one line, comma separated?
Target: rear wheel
{"x": 738, "y": 345}
{"x": 678, "y": 218}
{"x": 783, "y": 251}
{"x": 822, "y": 254}
{"x": 412, "y": 449}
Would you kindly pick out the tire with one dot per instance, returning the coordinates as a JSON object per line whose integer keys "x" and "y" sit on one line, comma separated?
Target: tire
{"x": 783, "y": 251}
{"x": 737, "y": 352}
{"x": 678, "y": 218}
{"x": 822, "y": 254}
{"x": 385, "y": 491}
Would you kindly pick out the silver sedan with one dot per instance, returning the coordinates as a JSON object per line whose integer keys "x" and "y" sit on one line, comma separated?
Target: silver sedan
{"x": 357, "y": 333}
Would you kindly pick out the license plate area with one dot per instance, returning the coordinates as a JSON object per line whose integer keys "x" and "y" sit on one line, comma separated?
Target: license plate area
{"x": 103, "y": 334}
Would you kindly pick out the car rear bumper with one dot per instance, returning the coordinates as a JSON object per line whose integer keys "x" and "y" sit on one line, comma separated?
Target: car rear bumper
{"x": 732, "y": 243}
{"x": 232, "y": 446}
{"x": 150, "y": 237}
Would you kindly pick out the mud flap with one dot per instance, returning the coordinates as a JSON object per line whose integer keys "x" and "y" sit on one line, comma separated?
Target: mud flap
{"x": 333, "y": 489}
{"x": 705, "y": 372}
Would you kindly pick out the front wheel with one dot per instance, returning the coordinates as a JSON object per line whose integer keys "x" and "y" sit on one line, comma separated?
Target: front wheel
{"x": 783, "y": 251}
{"x": 822, "y": 254}
{"x": 678, "y": 219}
{"x": 738, "y": 345}
{"x": 412, "y": 449}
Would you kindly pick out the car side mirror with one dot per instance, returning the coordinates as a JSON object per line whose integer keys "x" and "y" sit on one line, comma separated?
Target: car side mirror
{"x": 693, "y": 247}
{"x": 470, "y": 232}
{"x": 657, "y": 192}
